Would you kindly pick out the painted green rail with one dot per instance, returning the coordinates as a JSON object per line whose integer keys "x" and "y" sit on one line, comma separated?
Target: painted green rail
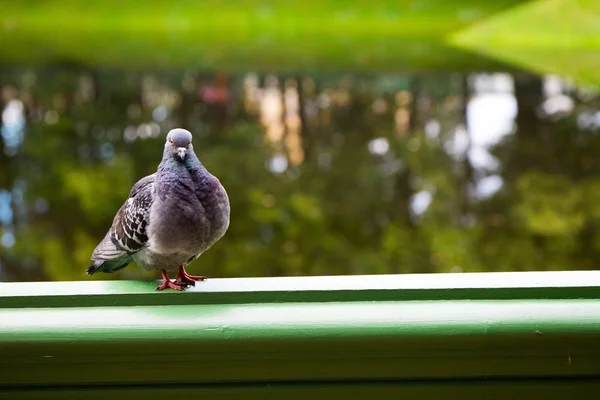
{"x": 520, "y": 335}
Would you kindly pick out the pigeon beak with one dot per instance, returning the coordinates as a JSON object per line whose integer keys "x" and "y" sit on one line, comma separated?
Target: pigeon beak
{"x": 181, "y": 151}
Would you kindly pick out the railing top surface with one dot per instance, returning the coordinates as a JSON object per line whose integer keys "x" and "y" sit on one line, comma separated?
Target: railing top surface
{"x": 466, "y": 286}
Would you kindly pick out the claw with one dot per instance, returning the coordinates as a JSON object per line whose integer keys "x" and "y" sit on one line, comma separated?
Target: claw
{"x": 183, "y": 278}
{"x": 185, "y": 282}
{"x": 168, "y": 284}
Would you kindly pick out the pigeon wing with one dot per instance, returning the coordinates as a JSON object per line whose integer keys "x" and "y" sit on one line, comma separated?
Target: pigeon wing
{"x": 127, "y": 234}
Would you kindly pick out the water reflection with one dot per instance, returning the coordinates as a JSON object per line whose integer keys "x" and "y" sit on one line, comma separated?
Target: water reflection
{"x": 327, "y": 174}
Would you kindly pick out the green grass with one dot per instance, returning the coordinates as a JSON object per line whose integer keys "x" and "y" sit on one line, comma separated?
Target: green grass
{"x": 243, "y": 34}
{"x": 548, "y": 36}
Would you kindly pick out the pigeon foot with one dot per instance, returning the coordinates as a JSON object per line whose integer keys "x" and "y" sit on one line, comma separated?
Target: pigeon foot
{"x": 168, "y": 284}
{"x": 185, "y": 279}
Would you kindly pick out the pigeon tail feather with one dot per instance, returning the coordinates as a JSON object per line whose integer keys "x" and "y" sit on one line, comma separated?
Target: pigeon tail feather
{"x": 109, "y": 266}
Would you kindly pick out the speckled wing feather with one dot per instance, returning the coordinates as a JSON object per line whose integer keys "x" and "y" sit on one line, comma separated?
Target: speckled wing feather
{"x": 128, "y": 231}
{"x": 127, "y": 234}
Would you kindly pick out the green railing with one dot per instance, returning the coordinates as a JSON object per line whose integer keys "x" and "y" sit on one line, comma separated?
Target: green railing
{"x": 499, "y": 335}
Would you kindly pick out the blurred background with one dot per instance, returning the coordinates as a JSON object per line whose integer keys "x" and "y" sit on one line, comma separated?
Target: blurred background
{"x": 353, "y": 137}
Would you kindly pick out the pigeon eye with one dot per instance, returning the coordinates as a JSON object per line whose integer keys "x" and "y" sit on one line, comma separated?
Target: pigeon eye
{"x": 171, "y": 141}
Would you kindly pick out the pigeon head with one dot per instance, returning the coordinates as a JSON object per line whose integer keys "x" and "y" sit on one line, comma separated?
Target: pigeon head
{"x": 179, "y": 141}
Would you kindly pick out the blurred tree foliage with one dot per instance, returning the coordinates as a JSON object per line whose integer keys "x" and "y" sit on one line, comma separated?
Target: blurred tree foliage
{"x": 342, "y": 209}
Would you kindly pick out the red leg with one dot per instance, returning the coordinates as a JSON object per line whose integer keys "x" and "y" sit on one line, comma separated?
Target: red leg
{"x": 183, "y": 278}
{"x": 168, "y": 284}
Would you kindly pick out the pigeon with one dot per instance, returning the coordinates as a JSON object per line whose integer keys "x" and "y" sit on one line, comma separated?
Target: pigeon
{"x": 169, "y": 219}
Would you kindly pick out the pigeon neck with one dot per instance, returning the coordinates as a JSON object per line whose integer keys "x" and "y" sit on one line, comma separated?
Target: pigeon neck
{"x": 191, "y": 163}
